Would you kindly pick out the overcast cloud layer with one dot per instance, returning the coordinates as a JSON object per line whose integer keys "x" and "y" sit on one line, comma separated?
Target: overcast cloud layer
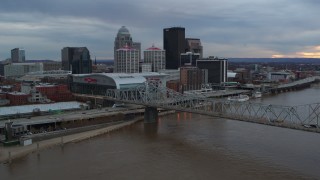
{"x": 227, "y": 28}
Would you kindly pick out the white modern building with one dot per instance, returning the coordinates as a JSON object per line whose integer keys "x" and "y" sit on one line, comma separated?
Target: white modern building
{"x": 146, "y": 67}
{"x": 278, "y": 76}
{"x": 156, "y": 57}
{"x": 127, "y": 60}
{"x": 21, "y": 69}
{"x": 99, "y": 83}
{"x": 38, "y": 75}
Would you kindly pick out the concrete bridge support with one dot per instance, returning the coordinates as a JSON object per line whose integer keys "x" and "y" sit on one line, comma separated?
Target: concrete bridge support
{"x": 150, "y": 115}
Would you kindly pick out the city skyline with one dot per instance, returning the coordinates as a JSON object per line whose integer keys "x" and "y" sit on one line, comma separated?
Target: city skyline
{"x": 246, "y": 28}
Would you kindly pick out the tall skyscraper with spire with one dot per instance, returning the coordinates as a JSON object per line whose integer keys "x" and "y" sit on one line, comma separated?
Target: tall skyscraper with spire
{"x": 123, "y": 41}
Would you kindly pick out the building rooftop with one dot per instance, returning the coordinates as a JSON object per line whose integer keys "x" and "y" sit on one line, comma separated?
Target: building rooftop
{"x": 17, "y": 93}
{"x": 21, "y": 64}
{"x": 280, "y": 73}
{"x": 153, "y": 48}
{"x": 124, "y": 78}
{"x": 11, "y": 110}
{"x": 126, "y": 48}
{"x": 123, "y": 31}
{"x": 52, "y": 72}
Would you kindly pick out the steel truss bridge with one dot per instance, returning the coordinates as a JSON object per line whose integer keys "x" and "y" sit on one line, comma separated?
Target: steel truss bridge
{"x": 295, "y": 84}
{"x": 304, "y": 117}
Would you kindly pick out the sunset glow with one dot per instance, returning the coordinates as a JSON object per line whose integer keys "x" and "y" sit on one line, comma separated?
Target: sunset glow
{"x": 309, "y": 52}
{"x": 312, "y": 52}
{"x": 277, "y": 56}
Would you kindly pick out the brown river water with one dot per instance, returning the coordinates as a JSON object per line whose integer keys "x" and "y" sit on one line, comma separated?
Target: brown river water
{"x": 184, "y": 146}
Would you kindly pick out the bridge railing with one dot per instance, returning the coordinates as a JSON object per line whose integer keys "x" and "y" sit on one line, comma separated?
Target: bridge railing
{"x": 299, "y": 82}
{"x": 300, "y": 115}
{"x": 155, "y": 96}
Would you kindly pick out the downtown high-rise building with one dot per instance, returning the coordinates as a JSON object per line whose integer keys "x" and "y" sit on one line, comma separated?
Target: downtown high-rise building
{"x": 217, "y": 68}
{"x": 127, "y": 59}
{"x": 174, "y": 45}
{"x": 18, "y": 55}
{"x": 193, "y": 45}
{"x": 124, "y": 40}
{"x": 76, "y": 59}
{"x": 21, "y": 69}
{"x": 137, "y": 46}
{"x": 189, "y": 58}
{"x": 156, "y": 57}
{"x": 193, "y": 78}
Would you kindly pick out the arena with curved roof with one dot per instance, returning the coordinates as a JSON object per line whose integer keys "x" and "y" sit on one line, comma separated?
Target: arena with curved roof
{"x": 98, "y": 83}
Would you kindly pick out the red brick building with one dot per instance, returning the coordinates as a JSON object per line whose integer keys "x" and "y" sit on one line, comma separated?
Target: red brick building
{"x": 3, "y": 96}
{"x": 56, "y": 93}
{"x": 191, "y": 77}
{"x": 174, "y": 85}
{"x": 18, "y": 98}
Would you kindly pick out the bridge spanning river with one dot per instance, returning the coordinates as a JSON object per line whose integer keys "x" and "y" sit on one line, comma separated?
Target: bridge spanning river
{"x": 305, "y": 117}
{"x": 295, "y": 84}
{"x": 152, "y": 96}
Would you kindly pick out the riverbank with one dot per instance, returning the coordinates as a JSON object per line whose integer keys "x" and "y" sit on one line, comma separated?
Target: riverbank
{"x": 8, "y": 154}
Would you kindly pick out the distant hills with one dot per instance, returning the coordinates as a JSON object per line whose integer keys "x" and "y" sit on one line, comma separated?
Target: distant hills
{"x": 107, "y": 62}
{"x": 32, "y": 61}
{"x": 276, "y": 60}
{"x": 258, "y": 60}
{"x": 239, "y": 60}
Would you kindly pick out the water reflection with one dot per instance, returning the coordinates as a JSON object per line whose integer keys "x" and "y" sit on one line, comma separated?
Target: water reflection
{"x": 184, "y": 146}
{"x": 151, "y": 129}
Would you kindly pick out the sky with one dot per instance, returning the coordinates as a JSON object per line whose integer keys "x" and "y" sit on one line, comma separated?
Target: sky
{"x": 226, "y": 28}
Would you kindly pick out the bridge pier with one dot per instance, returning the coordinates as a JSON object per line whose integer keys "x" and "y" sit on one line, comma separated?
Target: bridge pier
{"x": 150, "y": 115}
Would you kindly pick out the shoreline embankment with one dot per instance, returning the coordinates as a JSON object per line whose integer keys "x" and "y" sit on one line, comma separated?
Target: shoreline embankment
{"x": 8, "y": 154}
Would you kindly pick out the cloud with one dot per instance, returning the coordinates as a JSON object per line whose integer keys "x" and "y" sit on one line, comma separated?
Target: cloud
{"x": 53, "y": 32}
{"x": 307, "y": 52}
{"x": 242, "y": 28}
{"x": 311, "y": 52}
{"x": 236, "y": 50}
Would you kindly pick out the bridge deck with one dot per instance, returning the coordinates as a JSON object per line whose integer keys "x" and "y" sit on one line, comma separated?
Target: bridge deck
{"x": 296, "y": 117}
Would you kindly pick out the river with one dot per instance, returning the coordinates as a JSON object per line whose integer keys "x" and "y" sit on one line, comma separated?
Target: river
{"x": 184, "y": 146}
